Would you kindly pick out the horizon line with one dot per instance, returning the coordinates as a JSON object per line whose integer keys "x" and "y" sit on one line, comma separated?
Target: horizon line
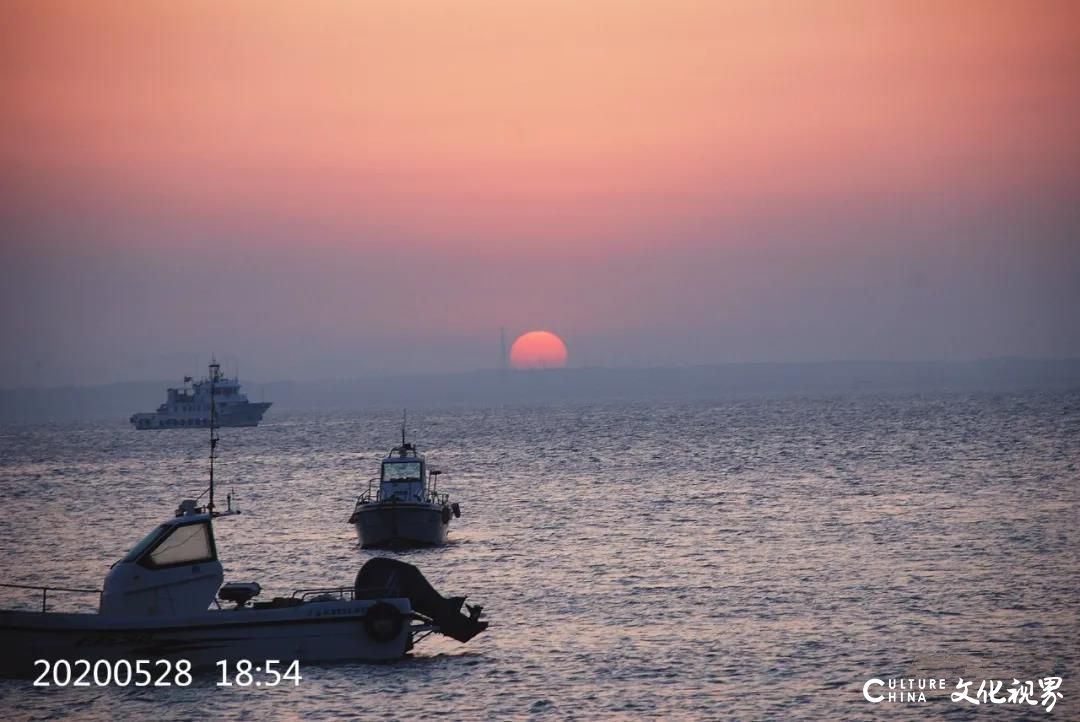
{"x": 571, "y": 369}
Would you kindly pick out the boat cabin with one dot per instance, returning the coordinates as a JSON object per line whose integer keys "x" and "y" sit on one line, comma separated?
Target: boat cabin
{"x": 403, "y": 475}
{"x": 173, "y": 571}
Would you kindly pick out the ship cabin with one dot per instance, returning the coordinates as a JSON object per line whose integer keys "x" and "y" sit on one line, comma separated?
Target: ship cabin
{"x": 173, "y": 571}
{"x": 403, "y": 476}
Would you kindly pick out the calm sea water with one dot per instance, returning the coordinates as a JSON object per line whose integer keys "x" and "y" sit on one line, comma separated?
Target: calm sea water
{"x": 731, "y": 560}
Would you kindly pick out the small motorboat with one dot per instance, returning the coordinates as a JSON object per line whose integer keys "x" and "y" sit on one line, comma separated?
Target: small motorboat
{"x": 165, "y": 600}
{"x": 156, "y": 605}
{"x": 403, "y": 507}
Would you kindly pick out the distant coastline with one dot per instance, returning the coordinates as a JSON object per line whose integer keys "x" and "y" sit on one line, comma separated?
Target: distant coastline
{"x": 492, "y": 387}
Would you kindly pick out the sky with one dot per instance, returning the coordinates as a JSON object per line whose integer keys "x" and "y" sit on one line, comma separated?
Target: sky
{"x": 341, "y": 189}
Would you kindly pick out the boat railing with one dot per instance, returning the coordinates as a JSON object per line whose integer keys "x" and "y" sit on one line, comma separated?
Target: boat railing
{"x": 374, "y": 494}
{"x": 324, "y": 594}
{"x": 344, "y": 594}
{"x": 45, "y": 591}
{"x": 436, "y": 497}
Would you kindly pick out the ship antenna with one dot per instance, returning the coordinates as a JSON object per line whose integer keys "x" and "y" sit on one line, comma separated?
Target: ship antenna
{"x": 502, "y": 349}
{"x": 213, "y": 435}
{"x": 404, "y": 416}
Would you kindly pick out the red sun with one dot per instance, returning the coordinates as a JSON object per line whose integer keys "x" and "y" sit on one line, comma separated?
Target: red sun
{"x": 538, "y": 350}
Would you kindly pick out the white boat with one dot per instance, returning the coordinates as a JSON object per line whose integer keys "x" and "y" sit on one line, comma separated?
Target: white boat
{"x": 187, "y": 407}
{"x": 156, "y": 605}
{"x": 165, "y": 600}
{"x": 404, "y": 507}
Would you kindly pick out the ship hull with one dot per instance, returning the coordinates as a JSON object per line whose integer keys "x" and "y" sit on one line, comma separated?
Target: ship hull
{"x": 249, "y": 414}
{"x": 314, "y": 632}
{"x": 396, "y": 524}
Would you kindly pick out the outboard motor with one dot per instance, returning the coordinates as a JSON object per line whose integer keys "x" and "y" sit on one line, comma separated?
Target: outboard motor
{"x": 382, "y": 577}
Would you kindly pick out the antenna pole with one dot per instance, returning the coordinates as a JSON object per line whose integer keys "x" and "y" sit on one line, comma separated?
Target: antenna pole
{"x": 404, "y": 417}
{"x": 213, "y": 431}
{"x": 502, "y": 348}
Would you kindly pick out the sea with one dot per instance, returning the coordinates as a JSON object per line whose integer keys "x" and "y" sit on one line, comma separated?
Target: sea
{"x": 741, "y": 559}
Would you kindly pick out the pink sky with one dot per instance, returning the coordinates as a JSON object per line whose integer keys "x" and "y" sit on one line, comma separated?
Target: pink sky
{"x": 605, "y": 169}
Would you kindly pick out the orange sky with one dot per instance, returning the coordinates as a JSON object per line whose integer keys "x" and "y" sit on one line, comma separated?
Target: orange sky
{"x": 475, "y": 122}
{"x": 658, "y": 182}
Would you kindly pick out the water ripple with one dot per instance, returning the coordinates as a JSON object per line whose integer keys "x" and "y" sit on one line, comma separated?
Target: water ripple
{"x": 738, "y": 560}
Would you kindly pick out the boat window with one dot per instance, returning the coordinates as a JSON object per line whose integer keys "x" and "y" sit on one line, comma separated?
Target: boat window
{"x": 402, "y": 471}
{"x": 147, "y": 540}
{"x": 184, "y": 545}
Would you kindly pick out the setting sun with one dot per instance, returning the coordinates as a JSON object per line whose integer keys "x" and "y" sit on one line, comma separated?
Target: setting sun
{"x": 538, "y": 350}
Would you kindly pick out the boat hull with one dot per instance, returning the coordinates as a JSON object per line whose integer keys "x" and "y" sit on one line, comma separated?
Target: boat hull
{"x": 397, "y": 524}
{"x": 315, "y": 632}
{"x": 248, "y": 414}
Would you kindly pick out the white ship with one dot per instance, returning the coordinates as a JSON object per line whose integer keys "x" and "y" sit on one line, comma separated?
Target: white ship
{"x": 189, "y": 406}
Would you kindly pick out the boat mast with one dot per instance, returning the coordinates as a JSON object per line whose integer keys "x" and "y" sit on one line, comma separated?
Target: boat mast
{"x": 404, "y": 417}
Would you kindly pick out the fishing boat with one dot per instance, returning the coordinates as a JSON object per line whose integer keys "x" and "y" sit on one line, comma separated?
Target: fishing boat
{"x": 165, "y": 601}
{"x": 403, "y": 507}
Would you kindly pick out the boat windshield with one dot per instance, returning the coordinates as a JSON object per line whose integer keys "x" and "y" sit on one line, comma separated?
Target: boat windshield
{"x": 185, "y": 544}
{"x": 147, "y": 540}
{"x": 401, "y": 471}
